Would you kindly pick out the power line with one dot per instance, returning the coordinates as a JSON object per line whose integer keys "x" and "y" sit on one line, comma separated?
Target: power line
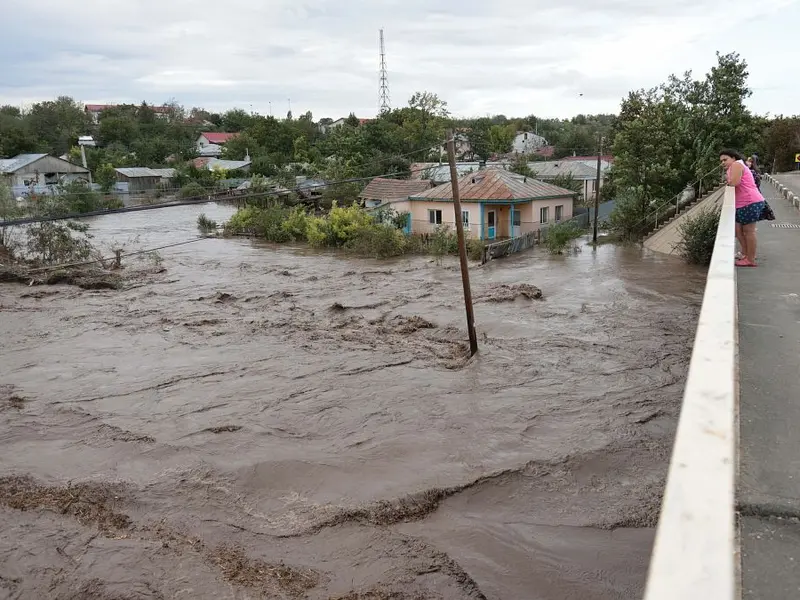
{"x": 122, "y": 254}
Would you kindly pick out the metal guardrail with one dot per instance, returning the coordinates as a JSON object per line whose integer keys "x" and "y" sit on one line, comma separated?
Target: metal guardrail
{"x": 694, "y": 554}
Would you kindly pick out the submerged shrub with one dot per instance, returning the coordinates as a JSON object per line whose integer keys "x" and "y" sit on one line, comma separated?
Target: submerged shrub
{"x": 296, "y": 224}
{"x": 192, "y": 190}
{"x": 560, "y": 237}
{"x": 350, "y": 228}
{"x": 262, "y": 222}
{"x": 698, "y": 235}
{"x": 377, "y": 241}
{"x": 205, "y": 224}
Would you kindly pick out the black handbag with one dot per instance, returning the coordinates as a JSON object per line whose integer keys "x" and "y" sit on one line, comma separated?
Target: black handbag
{"x": 766, "y": 213}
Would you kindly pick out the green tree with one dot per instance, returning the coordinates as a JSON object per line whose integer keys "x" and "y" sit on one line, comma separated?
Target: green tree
{"x": 426, "y": 126}
{"x": 520, "y": 166}
{"x": 57, "y": 124}
{"x": 478, "y": 138}
{"x": 670, "y": 136}
{"x": 15, "y": 134}
{"x": 106, "y": 177}
{"x": 236, "y": 120}
{"x": 501, "y": 139}
{"x": 782, "y": 142}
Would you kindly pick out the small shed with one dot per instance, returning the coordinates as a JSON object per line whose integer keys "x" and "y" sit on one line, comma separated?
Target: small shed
{"x": 139, "y": 179}
{"x": 167, "y": 175}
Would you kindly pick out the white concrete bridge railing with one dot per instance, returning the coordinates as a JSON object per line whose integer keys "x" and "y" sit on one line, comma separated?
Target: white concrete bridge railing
{"x": 695, "y": 551}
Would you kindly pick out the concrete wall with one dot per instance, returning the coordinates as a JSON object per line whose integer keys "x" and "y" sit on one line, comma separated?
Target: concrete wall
{"x": 666, "y": 239}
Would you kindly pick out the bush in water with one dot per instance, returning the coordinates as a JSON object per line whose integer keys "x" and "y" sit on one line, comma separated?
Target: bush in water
{"x": 560, "y": 237}
{"x": 206, "y": 225}
{"x": 344, "y": 227}
{"x": 192, "y": 190}
{"x": 698, "y": 235}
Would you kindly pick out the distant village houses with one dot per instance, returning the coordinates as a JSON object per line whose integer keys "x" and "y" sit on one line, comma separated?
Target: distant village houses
{"x": 211, "y": 143}
{"x": 328, "y": 127}
{"x": 527, "y": 142}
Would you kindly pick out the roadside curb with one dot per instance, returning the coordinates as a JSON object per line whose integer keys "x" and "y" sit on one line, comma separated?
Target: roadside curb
{"x": 784, "y": 191}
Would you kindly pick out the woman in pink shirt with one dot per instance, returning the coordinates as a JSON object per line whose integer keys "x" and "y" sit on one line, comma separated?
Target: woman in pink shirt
{"x": 749, "y": 204}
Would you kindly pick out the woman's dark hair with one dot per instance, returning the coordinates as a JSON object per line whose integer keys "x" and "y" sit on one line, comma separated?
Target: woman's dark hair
{"x": 732, "y": 153}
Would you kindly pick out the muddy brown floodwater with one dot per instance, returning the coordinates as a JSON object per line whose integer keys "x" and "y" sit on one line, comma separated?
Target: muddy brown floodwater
{"x": 259, "y": 422}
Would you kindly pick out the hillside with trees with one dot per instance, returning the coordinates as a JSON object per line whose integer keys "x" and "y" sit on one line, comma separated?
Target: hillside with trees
{"x": 663, "y": 138}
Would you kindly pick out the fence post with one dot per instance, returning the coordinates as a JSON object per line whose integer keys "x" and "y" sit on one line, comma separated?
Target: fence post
{"x": 118, "y": 260}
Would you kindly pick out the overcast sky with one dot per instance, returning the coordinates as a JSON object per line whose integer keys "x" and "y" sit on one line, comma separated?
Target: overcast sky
{"x": 516, "y": 57}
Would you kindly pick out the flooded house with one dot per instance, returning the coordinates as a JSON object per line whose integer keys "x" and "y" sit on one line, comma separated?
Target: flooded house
{"x": 495, "y": 204}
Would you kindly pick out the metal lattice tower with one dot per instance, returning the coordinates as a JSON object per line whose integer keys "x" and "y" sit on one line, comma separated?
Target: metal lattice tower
{"x": 384, "y": 80}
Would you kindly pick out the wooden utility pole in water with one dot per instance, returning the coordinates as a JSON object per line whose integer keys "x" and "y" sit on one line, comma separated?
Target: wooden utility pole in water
{"x": 597, "y": 188}
{"x": 462, "y": 249}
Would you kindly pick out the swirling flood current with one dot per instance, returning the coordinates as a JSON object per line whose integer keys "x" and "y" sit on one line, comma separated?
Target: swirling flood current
{"x": 242, "y": 420}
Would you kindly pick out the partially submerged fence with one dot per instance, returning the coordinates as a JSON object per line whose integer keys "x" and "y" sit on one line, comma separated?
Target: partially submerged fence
{"x": 512, "y": 245}
{"x": 695, "y": 548}
{"x": 529, "y": 239}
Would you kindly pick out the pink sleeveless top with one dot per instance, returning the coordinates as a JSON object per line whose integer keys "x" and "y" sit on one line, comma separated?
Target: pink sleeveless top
{"x": 747, "y": 191}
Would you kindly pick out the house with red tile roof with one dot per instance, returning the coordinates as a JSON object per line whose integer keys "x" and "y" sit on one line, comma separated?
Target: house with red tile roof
{"x": 210, "y": 143}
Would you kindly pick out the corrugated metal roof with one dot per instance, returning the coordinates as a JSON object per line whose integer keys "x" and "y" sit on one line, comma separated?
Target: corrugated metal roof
{"x": 134, "y": 172}
{"x": 495, "y": 184}
{"x": 10, "y": 165}
{"x": 228, "y": 165}
{"x": 381, "y": 188}
{"x": 164, "y": 173}
{"x": 550, "y": 169}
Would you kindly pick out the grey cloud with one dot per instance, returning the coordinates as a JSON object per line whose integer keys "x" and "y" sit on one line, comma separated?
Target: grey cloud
{"x": 323, "y": 53}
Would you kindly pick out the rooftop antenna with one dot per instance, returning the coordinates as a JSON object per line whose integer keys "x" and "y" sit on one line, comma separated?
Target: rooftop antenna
{"x": 384, "y": 80}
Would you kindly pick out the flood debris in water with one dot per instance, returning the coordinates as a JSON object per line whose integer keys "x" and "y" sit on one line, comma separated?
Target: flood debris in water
{"x": 89, "y": 503}
{"x": 10, "y": 398}
{"x": 223, "y": 429}
{"x": 117, "y": 434}
{"x": 87, "y": 278}
{"x": 510, "y": 292}
{"x": 267, "y": 579}
{"x": 380, "y": 593}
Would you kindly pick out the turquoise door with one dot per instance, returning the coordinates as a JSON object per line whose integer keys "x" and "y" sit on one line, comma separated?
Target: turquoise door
{"x": 490, "y": 224}
{"x": 407, "y": 228}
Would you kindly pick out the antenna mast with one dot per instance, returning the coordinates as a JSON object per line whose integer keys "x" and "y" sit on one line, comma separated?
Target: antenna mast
{"x": 384, "y": 80}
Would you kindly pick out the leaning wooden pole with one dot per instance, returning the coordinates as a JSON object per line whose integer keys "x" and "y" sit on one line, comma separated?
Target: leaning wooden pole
{"x": 462, "y": 248}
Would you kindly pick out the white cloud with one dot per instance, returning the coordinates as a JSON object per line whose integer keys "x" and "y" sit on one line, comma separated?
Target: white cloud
{"x": 516, "y": 57}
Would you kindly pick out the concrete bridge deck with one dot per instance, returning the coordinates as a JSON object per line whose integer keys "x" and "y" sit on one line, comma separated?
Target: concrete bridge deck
{"x": 729, "y": 527}
{"x": 769, "y": 406}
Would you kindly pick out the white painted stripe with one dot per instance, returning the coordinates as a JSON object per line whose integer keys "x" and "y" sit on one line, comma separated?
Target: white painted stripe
{"x": 695, "y": 547}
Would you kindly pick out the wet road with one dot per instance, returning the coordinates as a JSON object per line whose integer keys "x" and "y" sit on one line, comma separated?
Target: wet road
{"x": 254, "y": 406}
